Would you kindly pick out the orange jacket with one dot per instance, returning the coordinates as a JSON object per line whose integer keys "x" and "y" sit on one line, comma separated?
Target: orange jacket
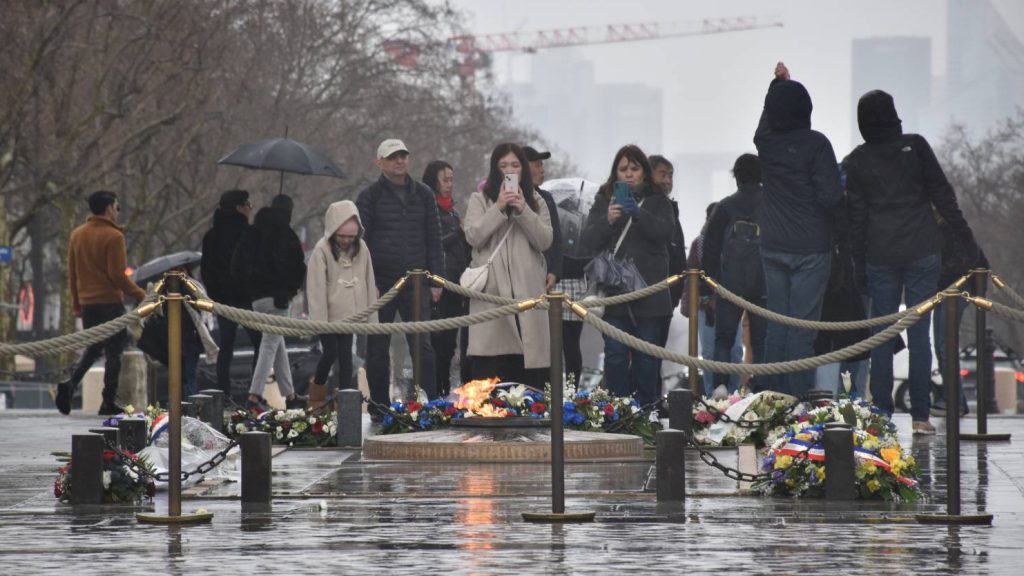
{"x": 97, "y": 260}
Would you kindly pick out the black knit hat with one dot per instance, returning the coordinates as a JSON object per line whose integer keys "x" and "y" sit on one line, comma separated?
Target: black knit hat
{"x": 233, "y": 198}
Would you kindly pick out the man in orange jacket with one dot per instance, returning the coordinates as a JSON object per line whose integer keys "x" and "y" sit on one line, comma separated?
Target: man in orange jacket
{"x": 97, "y": 263}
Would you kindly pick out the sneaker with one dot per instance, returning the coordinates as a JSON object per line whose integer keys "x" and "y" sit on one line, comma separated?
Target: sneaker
{"x": 295, "y": 402}
{"x": 110, "y": 409}
{"x": 63, "y": 399}
{"x": 924, "y": 428}
{"x": 258, "y": 406}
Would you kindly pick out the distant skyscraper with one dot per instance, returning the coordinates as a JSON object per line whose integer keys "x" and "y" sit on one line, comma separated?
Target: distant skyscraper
{"x": 985, "y": 67}
{"x": 900, "y": 66}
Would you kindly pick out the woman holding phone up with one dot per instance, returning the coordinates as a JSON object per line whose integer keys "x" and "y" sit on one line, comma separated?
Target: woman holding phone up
{"x": 649, "y": 215}
{"x": 514, "y": 227}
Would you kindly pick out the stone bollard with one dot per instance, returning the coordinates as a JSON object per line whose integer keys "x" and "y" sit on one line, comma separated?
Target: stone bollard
{"x": 839, "y": 462}
{"x": 205, "y": 409}
{"x": 189, "y": 409}
{"x": 671, "y": 465}
{"x": 256, "y": 467}
{"x": 680, "y": 410}
{"x": 132, "y": 381}
{"x": 87, "y": 469}
{"x": 350, "y": 418}
{"x": 216, "y": 407}
{"x": 133, "y": 434}
{"x": 111, "y": 435}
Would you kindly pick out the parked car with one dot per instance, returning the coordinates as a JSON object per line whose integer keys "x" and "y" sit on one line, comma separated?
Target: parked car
{"x": 1004, "y": 357}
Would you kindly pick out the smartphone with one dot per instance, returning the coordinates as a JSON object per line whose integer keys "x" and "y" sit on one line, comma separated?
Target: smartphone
{"x": 621, "y": 192}
{"x": 511, "y": 183}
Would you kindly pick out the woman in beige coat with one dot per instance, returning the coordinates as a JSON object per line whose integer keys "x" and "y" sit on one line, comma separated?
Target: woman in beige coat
{"x": 514, "y": 348}
{"x": 339, "y": 283}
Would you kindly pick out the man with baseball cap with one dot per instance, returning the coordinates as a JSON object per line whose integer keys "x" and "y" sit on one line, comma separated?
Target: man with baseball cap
{"x": 402, "y": 230}
{"x": 553, "y": 254}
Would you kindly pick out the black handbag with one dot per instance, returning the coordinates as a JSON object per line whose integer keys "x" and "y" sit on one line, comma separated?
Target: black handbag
{"x": 609, "y": 275}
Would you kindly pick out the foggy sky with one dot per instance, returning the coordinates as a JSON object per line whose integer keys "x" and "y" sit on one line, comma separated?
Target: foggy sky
{"x": 713, "y": 86}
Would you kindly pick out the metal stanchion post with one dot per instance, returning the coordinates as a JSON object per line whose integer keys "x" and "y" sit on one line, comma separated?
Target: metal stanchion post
{"x": 558, "y": 514}
{"x": 693, "y": 301}
{"x": 680, "y": 410}
{"x": 951, "y": 374}
{"x": 256, "y": 467}
{"x": 173, "y": 285}
{"x": 417, "y": 316}
{"x": 985, "y": 385}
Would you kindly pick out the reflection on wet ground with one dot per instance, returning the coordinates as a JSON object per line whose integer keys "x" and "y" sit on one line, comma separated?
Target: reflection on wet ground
{"x": 334, "y": 512}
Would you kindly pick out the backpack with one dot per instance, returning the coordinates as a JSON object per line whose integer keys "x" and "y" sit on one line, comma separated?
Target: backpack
{"x": 741, "y": 247}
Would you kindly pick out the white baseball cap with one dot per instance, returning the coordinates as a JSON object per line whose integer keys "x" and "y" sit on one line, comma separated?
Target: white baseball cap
{"x": 389, "y": 147}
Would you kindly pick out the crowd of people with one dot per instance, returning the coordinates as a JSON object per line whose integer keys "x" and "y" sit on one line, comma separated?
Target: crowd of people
{"x": 803, "y": 235}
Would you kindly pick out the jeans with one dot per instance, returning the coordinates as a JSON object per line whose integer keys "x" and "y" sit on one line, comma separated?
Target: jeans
{"x": 795, "y": 285}
{"x": 111, "y": 349}
{"x": 887, "y": 285}
{"x": 378, "y": 348}
{"x": 226, "y": 332}
{"x": 272, "y": 352}
{"x": 627, "y": 371}
{"x": 729, "y": 338}
{"x": 706, "y": 336}
{"x": 336, "y": 348}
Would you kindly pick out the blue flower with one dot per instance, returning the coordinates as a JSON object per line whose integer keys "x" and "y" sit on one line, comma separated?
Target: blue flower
{"x": 398, "y": 406}
{"x": 583, "y": 394}
{"x": 577, "y": 418}
{"x": 569, "y": 407}
{"x": 388, "y": 419}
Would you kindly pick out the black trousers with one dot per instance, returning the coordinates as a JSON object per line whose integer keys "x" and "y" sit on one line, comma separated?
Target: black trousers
{"x": 336, "y": 348}
{"x": 378, "y": 348}
{"x": 111, "y": 349}
{"x": 226, "y": 331}
{"x": 571, "y": 332}
{"x": 509, "y": 368}
{"x": 449, "y": 306}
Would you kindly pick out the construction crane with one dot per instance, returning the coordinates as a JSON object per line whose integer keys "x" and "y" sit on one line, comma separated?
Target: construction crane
{"x": 477, "y": 49}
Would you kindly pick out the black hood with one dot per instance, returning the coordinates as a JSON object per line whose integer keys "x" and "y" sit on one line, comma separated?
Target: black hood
{"x": 788, "y": 106}
{"x": 268, "y": 217}
{"x": 228, "y": 217}
{"x": 877, "y": 119}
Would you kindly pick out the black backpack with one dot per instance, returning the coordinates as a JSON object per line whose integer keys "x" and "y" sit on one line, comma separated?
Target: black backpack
{"x": 741, "y": 246}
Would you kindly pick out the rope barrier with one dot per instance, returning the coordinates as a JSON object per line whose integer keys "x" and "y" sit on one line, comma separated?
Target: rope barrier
{"x": 302, "y": 328}
{"x": 1017, "y": 299}
{"x": 631, "y": 296}
{"x": 808, "y": 324}
{"x": 756, "y": 369}
{"x": 467, "y": 293}
{"x": 1000, "y": 309}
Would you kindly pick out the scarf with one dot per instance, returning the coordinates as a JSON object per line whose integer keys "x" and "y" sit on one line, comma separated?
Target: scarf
{"x": 445, "y": 203}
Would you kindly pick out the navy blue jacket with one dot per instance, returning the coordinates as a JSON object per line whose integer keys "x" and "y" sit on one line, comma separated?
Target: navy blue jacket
{"x": 798, "y": 171}
{"x": 401, "y": 228}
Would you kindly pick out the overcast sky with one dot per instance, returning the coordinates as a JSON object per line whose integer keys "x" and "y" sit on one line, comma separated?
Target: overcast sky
{"x": 713, "y": 86}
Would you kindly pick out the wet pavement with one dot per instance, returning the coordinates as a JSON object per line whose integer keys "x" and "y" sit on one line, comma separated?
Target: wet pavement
{"x": 334, "y": 512}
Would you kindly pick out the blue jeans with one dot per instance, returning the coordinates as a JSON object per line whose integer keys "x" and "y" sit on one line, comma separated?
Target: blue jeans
{"x": 796, "y": 287}
{"x": 887, "y": 286}
{"x": 706, "y": 335}
{"x": 628, "y": 371}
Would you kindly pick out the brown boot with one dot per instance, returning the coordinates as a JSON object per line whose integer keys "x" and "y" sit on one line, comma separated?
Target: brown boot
{"x": 317, "y": 395}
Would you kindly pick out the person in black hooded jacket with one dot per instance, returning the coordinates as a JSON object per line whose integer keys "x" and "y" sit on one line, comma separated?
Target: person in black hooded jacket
{"x": 230, "y": 221}
{"x": 893, "y": 182}
{"x": 269, "y": 259}
{"x": 800, "y": 176}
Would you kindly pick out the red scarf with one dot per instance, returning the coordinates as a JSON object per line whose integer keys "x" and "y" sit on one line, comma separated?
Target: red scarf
{"x": 445, "y": 203}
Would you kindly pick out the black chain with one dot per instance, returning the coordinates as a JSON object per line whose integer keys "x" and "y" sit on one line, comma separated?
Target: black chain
{"x": 202, "y": 468}
{"x": 709, "y": 458}
{"x": 723, "y": 417}
{"x": 643, "y": 412}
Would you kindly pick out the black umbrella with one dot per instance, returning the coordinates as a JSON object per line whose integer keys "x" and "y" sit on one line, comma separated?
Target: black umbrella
{"x": 157, "y": 266}
{"x": 283, "y": 155}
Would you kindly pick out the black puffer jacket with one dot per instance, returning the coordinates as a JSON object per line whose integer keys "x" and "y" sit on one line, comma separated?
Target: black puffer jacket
{"x": 799, "y": 173}
{"x": 646, "y": 243}
{"x": 270, "y": 259}
{"x": 401, "y": 227}
{"x": 893, "y": 181}
{"x": 219, "y": 244}
{"x": 676, "y": 254}
{"x": 453, "y": 240}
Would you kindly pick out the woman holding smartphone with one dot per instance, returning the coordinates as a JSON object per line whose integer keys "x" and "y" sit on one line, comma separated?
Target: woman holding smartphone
{"x": 509, "y": 221}
{"x": 629, "y": 195}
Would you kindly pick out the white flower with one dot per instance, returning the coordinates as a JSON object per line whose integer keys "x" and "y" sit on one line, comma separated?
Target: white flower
{"x": 240, "y": 428}
{"x": 293, "y": 433}
{"x": 514, "y": 395}
{"x": 312, "y": 419}
{"x": 278, "y": 434}
{"x": 106, "y": 479}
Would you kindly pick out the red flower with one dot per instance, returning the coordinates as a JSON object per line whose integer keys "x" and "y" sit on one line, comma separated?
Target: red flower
{"x": 318, "y": 427}
{"x": 414, "y": 406}
{"x": 108, "y": 455}
{"x": 498, "y": 402}
{"x": 538, "y": 408}
{"x": 450, "y": 410}
{"x": 803, "y": 418}
{"x": 609, "y": 410}
{"x": 286, "y": 424}
{"x": 583, "y": 402}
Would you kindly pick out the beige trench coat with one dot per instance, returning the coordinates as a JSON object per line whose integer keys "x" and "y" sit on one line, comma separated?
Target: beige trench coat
{"x": 336, "y": 289}
{"x": 517, "y": 271}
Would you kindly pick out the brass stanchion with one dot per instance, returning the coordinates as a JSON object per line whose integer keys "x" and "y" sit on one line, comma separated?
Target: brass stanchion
{"x": 693, "y": 301}
{"x": 417, "y": 316}
{"x": 984, "y": 386}
{"x": 558, "y": 513}
{"x": 174, "y": 298}
{"x": 951, "y": 373}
